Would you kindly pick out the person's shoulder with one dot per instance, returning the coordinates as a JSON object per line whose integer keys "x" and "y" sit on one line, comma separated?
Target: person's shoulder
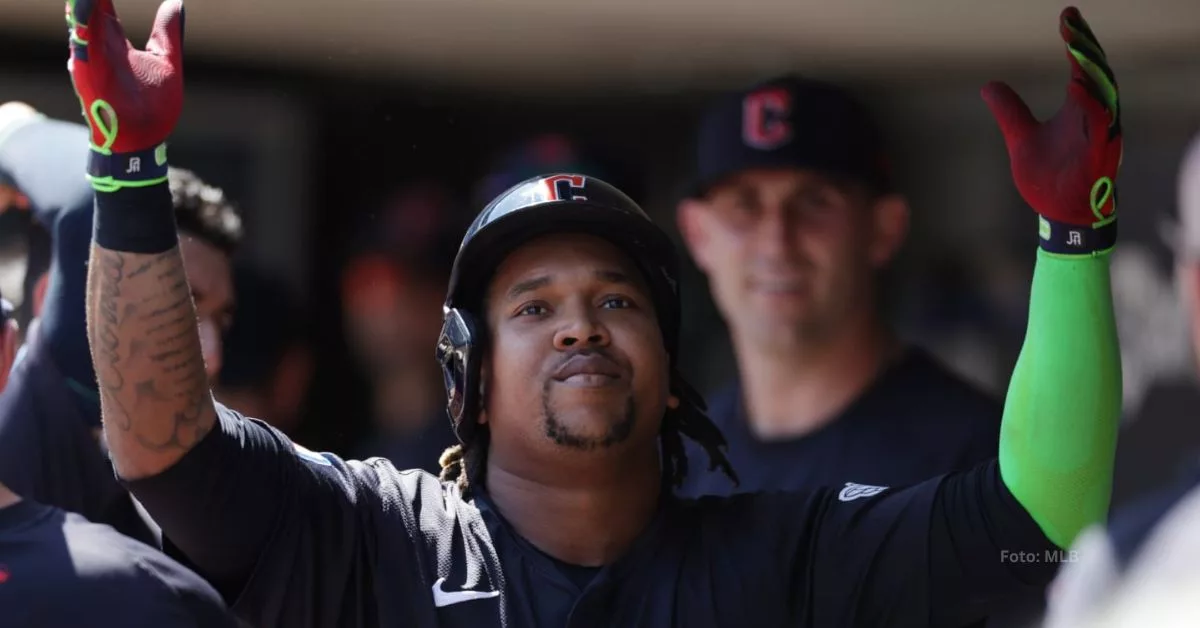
{"x": 115, "y": 571}
{"x": 99, "y": 552}
{"x": 407, "y": 482}
{"x": 739, "y": 510}
{"x": 752, "y": 520}
{"x": 724, "y": 403}
{"x": 934, "y": 372}
{"x": 946, "y": 395}
{"x": 371, "y": 485}
{"x": 397, "y": 491}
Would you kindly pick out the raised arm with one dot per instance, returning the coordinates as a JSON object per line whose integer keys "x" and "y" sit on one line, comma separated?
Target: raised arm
{"x": 957, "y": 549}
{"x": 154, "y": 393}
{"x": 44, "y": 158}
{"x": 1058, "y": 438}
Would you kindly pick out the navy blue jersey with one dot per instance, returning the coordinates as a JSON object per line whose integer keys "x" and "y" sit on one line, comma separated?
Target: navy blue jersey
{"x": 916, "y": 421}
{"x": 302, "y": 539}
{"x": 58, "y": 569}
{"x": 1130, "y": 526}
{"x": 50, "y": 454}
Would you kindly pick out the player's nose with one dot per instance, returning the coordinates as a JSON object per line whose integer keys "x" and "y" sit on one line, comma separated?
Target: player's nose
{"x": 581, "y": 330}
{"x": 776, "y": 232}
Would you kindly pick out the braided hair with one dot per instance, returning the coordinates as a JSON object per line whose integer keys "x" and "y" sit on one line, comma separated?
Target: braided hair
{"x": 690, "y": 420}
{"x": 460, "y": 464}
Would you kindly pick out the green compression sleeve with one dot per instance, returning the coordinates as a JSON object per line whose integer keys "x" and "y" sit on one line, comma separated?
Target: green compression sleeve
{"x": 1058, "y": 438}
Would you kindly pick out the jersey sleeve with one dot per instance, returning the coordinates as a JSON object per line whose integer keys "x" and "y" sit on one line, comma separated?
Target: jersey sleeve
{"x": 282, "y": 532}
{"x": 946, "y": 552}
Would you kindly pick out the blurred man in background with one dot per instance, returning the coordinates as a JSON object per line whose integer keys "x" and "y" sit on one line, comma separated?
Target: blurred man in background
{"x": 392, "y": 292}
{"x": 793, "y": 218}
{"x": 267, "y": 363}
{"x": 50, "y": 447}
{"x": 58, "y": 569}
{"x": 1137, "y": 569}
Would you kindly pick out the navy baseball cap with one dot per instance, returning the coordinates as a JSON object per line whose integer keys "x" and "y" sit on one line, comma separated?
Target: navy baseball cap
{"x": 788, "y": 123}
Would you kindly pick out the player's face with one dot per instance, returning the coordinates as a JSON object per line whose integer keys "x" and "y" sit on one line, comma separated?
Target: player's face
{"x": 576, "y": 361}
{"x": 788, "y": 254}
{"x": 210, "y": 275}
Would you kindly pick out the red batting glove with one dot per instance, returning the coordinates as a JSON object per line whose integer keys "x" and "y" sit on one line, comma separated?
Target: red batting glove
{"x": 131, "y": 98}
{"x": 1066, "y": 167}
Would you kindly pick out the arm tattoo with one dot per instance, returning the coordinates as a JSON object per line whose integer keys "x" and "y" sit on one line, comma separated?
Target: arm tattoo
{"x": 106, "y": 343}
{"x": 147, "y": 354}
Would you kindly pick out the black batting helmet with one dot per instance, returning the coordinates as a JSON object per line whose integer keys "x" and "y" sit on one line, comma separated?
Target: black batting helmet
{"x": 543, "y": 205}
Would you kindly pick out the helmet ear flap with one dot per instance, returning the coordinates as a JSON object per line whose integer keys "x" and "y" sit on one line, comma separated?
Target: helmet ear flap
{"x": 459, "y": 352}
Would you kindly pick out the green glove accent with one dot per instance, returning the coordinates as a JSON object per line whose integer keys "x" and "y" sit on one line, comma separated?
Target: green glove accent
{"x": 1058, "y": 439}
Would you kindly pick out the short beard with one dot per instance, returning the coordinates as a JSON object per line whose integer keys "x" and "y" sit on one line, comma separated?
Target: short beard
{"x": 561, "y": 434}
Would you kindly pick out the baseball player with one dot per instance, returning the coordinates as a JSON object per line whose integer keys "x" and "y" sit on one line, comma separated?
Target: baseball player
{"x": 50, "y": 449}
{"x": 58, "y": 569}
{"x": 793, "y": 217}
{"x": 558, "y": 347}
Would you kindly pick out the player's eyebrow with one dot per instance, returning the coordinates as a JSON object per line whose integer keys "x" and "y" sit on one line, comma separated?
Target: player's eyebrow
{"x": 615, "y": 276}
{"x": 603, "y": 274}
{"x": 529, "y": 285}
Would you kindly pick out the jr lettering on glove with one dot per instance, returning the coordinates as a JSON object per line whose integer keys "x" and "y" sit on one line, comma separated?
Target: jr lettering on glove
{"x": 131, "y": 98}
{"x": 1066, "y": 168}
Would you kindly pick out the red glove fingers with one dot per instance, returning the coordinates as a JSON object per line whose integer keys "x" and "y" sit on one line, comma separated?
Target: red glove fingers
{"x": 131, "y": 99}
{"x": 1066, "y": 168}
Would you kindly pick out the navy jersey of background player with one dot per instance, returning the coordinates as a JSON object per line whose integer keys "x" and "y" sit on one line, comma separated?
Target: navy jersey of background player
{"x": 916, "y": 421}
{"x": 307, "y": 539}
{"x": 58, "y": 569}
{"x": 49, "y": 453}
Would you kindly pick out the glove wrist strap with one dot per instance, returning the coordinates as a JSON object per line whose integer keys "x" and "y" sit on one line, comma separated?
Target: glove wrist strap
{"x": 135, "y": 219}
{"x": 1062, "y": 238}
{"x": 109, "y": 171}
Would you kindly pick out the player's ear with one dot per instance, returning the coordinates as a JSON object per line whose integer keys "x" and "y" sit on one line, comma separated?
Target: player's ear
{"x": 889, "y": 227}
{"x": 689, "y": 218}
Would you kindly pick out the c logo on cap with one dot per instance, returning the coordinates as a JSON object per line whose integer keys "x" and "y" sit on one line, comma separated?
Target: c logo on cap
{"x": 765, "y": 118}
{"x": 566, "y": 186}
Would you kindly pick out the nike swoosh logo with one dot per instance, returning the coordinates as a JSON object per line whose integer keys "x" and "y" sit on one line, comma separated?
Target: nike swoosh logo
{"x": 442, "y": 597}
